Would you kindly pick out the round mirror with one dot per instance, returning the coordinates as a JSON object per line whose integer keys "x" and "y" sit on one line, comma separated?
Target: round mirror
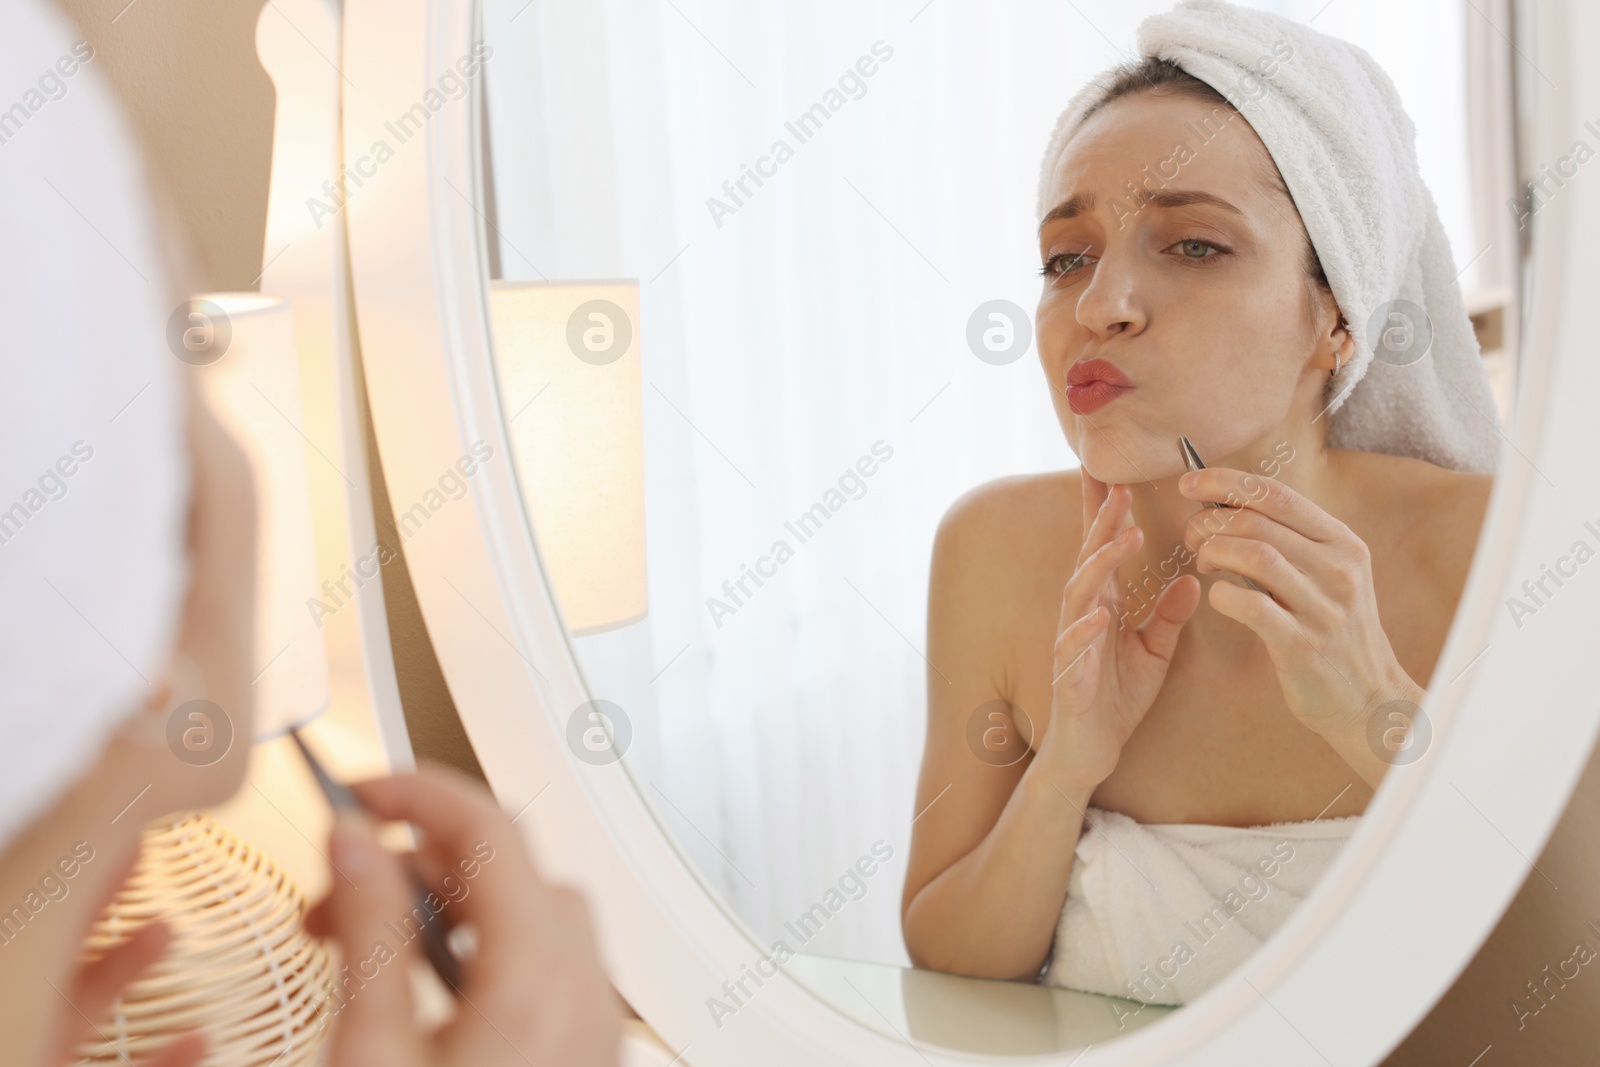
{"x": 801, "y": 369}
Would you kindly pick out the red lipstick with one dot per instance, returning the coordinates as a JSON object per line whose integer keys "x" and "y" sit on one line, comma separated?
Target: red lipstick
{"x": 1094, "y": 383}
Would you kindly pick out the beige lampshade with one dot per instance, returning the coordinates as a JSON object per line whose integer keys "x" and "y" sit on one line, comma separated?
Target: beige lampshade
{"x": 242, "y": 350}
{"x": 571, "y": 386}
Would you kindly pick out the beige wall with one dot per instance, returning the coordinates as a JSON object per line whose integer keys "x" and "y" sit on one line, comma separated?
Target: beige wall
{"x": 203, "y": 108}
{"x": 1550, "y": 914}
{"x": 187, "y": 74}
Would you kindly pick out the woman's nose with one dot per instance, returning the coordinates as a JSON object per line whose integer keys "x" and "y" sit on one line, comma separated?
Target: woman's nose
{"x": 1110, "y": 304}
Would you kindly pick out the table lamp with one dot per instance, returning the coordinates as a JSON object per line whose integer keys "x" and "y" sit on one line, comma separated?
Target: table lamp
{"x": 568, "y": 359}
{"x": 241, "y": 968}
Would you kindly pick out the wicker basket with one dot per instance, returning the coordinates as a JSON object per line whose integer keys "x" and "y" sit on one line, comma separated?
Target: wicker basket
{"x": 241, "y": 968}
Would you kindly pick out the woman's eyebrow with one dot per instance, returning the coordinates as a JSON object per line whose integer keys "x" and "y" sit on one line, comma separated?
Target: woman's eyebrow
{"x": 1070, "y": 208}
{"x": 1185, "y": 197}
{"x": 1078, "y": 203}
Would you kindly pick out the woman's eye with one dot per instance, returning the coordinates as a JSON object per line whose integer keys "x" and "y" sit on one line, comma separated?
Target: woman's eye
{"x": 1063, "y": 263}
{"x": 1194, "y": 248}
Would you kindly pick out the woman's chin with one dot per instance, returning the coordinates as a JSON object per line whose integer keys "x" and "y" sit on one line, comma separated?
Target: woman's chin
{"x": 1108, "y": 465}
{"x": 1113, "y": 474}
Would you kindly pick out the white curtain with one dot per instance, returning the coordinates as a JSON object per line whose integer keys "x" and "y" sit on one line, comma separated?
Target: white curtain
{"x": 822, "y": 314}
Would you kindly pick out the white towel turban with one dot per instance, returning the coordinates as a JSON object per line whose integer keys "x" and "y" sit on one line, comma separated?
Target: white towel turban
{"x": 94, "y": 470}
{"x": 1332, "y": 121}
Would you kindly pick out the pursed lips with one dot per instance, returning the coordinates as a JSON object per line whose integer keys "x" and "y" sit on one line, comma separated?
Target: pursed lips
{"x": 1094, "y": 383}
{"x": 1085, "y": 371}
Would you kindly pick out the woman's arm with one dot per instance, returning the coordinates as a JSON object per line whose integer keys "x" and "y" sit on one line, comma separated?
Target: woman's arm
{"x": 982, "y": 895}
{"x": 992, "y": 845}
{"x": 993, "y": 912}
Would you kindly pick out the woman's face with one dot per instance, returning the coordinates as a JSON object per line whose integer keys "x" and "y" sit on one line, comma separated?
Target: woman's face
{"x": 1170, "y": 255}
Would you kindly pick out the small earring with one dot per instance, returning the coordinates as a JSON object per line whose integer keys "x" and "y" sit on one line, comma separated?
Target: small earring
{"x": 1335, "y": 369}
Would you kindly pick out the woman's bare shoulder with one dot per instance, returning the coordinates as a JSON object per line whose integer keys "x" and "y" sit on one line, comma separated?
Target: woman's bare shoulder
{"x": 1002, "y": 553}
{"x": 1458, "y": 504}
{"x": 1436, "y": 514}
{"x": 1001, "y": 546}
{"x": 1009, "y": 521}
{"x": 1417, "y": 489}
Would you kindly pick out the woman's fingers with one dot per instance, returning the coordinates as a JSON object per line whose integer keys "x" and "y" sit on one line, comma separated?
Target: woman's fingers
{"x": 1076, "y": 638}
{"x": 1174, "y": 607}
{"x": 1268, "y": 496}
{"x": 1094, "y": 495}
{"x": 582, "y": 1021}
{"x": 1102, "y": 550}
{"x": 1322, "y": 561}
{"x": 464, "y": 830}
{"x": 1101, "y": 526}
{"x": 536, "y": 983}
{"x": 1095, "y": 573}
{"x": 100, "y": 982}
{"x": 494, "y": 883}
{"x": 319, "y": 918}
{"x": 1084, "y": 615}
{"x": 1266, "y": 566}
{"x": 370, "y": 899}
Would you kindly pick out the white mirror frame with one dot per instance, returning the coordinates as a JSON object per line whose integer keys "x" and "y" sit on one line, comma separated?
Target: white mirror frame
{"x": 1354, "y": 969}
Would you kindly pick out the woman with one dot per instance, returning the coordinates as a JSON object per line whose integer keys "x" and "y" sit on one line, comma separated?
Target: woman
{"x": 126, "y": 561}
{"x": 1192, "y": 722}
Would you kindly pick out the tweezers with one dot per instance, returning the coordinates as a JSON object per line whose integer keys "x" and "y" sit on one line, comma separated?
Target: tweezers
{"x": 1191, "y": 460}
{"x": 435, "y": 935}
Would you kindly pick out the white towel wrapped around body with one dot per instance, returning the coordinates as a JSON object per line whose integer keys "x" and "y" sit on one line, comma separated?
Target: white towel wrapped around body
{"x": 1160, "y": 912}
{"x": 1332, "y": 121}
